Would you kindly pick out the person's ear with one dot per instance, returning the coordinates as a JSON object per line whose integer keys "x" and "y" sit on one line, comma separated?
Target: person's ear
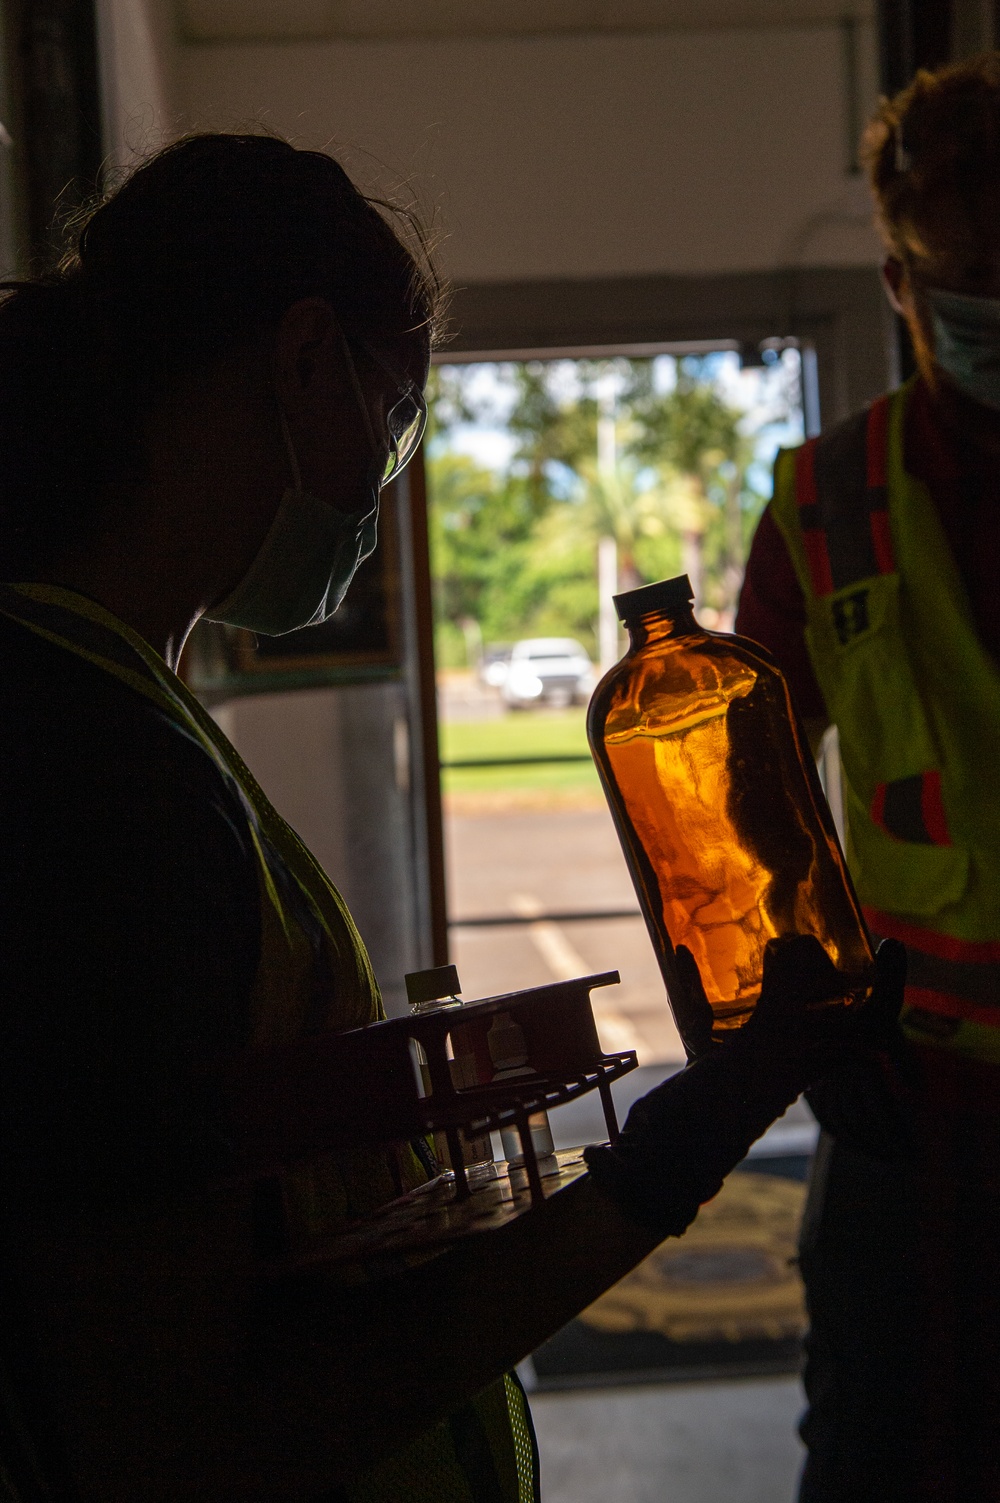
{"x": 895, "y": 283}
{"x": 307, "y": 351}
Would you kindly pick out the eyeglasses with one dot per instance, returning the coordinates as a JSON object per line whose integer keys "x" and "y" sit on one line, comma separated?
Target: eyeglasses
{"x": 406, "y": 418}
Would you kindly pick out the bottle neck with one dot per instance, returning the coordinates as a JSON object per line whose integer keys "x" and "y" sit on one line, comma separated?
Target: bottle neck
{"x": 661, "y": 626}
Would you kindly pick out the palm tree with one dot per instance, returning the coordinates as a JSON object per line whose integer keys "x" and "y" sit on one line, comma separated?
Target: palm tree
{"x": 693, "y": 439}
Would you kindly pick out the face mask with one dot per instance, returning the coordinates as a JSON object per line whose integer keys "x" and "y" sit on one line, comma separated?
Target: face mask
{"x": 967, "y": 342}
{"x": 305, "y": 564}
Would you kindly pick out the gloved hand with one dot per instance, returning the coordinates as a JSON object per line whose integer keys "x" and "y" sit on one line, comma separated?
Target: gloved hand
{"x": 799, "y": 979}
{"x": 865, "y": 1099}
{"x": 682, "y": 1139}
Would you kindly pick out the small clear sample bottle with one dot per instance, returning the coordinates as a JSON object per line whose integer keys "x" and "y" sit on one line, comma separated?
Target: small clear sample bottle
{"x": 509, "y": 1053}
{"x": 431, "y": 991}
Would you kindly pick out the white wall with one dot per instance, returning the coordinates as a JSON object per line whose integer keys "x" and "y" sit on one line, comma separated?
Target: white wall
{"x": 577, "y": 156}
{"x": 326, "y": 758}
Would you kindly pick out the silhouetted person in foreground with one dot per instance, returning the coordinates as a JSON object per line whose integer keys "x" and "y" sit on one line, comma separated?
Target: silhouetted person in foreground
{"x": 197, "y": 413}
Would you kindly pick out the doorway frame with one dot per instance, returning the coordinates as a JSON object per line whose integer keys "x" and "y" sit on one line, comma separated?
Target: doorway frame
{"x": 839, "y": 312}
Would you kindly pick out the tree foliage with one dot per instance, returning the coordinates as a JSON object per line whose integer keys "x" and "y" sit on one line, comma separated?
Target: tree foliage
{"x": 514, "y": 548}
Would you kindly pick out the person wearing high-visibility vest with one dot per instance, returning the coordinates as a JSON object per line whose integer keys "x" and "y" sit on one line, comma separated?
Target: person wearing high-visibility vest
{"x": 198, "y": 411}
{"x": 872, "y": 578}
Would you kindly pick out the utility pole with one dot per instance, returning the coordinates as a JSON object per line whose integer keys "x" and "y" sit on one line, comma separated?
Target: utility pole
{"x": 607, "y": 547}
{"x": 607, "y": 588}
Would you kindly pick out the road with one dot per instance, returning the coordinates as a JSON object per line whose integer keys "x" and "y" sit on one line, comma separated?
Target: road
{"x": 532, "y": 863}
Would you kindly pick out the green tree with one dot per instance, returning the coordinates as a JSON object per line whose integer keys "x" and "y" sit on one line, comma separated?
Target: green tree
{"x": 551, "y": 430}
{"x": 563, "y": 433}
{"x": 696, "y": 442}
{"x": 478, "y": 521}
{"x": 515, "y": 551}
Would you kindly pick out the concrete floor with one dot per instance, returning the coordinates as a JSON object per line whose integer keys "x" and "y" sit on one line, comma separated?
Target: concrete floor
{"x": 673, "y": 1443}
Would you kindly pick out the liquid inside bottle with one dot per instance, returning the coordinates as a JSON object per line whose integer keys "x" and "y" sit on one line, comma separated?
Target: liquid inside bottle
{"x": 718, "y": 806}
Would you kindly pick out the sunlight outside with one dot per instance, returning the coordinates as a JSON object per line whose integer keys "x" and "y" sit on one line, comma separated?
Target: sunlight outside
{"x": 553, "y": 485}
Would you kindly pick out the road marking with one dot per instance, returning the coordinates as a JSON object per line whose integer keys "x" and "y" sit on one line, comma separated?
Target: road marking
{"x": 617, "y": 1031}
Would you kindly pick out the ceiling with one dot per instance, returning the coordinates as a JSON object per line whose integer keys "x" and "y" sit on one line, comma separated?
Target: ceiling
{"x": 298, "y": 20}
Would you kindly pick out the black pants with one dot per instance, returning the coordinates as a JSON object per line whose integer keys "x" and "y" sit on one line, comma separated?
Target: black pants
{"x": 902, "y": 1270}
{"x": 859, "y": 1262}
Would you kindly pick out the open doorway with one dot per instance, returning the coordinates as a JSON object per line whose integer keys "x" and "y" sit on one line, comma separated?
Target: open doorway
{"x": 552, "y": 485}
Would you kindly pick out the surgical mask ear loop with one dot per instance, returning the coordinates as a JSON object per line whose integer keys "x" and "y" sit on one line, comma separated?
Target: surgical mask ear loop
{"x": 359, "y": 395}
{"x": 293, "y": 460}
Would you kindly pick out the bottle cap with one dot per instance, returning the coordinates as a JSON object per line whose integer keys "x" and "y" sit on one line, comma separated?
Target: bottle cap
{"x": 430, "y": 986}
{"x": 667, "y": 595}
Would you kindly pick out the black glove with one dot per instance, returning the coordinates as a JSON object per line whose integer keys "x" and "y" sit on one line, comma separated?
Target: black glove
{"x": 865, "y": 1100}
{"x": 679, "y": 1142}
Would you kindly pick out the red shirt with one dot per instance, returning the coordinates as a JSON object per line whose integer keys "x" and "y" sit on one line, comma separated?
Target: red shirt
{"x": 965, "y": 489}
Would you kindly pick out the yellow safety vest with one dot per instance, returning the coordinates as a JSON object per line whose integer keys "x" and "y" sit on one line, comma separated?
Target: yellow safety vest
{"x": 915, "y": 697}
{"x": 313, "y": 974}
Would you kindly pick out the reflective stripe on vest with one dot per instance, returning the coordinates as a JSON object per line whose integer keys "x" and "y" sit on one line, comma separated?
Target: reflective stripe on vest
{"x": 916, "y": 700}
{"x": 843, "y": 508}
{"x": 841, "y": 552}
{"x": 314, "y": 972}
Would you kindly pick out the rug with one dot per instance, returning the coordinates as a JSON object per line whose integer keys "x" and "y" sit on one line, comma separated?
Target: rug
{"x": 724, "y": 1300}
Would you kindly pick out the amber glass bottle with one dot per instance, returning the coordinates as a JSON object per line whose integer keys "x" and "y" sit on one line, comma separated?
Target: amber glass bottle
{"x": 719, "y": 808}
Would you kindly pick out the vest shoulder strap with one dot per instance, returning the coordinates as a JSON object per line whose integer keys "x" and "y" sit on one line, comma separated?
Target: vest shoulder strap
{"x": 907, "y": 805}
{"x": 841, "y": 499}
{"x": 78, "y": 625}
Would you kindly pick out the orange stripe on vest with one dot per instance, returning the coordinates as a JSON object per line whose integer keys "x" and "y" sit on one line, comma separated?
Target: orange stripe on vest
{"x": 944, "y": 946}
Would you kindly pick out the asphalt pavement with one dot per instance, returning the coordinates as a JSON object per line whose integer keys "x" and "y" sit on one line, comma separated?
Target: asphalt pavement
{"x": 531, "y": 864}
{"x": 528, "y": 864}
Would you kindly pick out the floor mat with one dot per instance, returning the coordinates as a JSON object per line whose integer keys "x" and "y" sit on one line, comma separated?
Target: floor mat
{"x": 724, "y": 1300}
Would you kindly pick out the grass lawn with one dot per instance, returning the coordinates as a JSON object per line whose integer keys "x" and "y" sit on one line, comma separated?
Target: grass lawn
{"x": 526, "y": 733}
